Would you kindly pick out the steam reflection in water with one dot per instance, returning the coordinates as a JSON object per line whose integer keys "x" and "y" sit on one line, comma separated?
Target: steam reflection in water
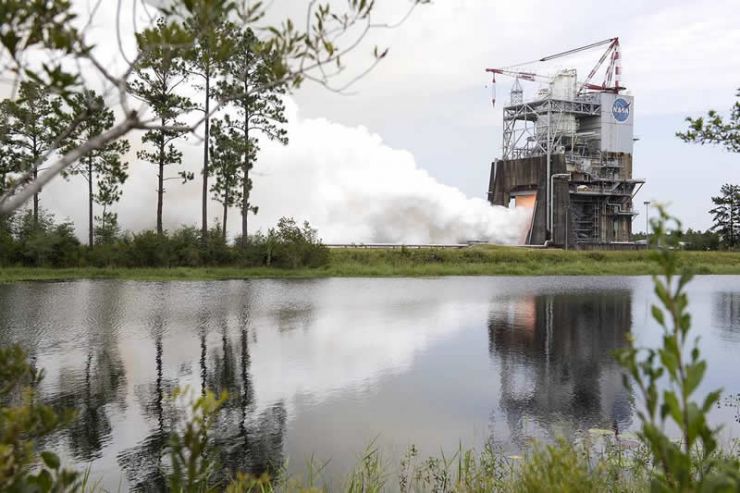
{"x": 324, "y": 367}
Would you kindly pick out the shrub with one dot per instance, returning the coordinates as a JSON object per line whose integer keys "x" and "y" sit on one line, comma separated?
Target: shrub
{"x": 286, "y": 246}
{"x": 148, "y": 249}
{"x": 668, "y": 377}
{"x": 186, "y": 246}
{"x": 23, "y": 421}
{"x": 44, "y": 243}
{"x": 293, "y": 247}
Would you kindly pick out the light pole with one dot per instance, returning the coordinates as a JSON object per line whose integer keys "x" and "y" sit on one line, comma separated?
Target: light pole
{"x": 647, "y": 221}
{"x": 552, "y": 193}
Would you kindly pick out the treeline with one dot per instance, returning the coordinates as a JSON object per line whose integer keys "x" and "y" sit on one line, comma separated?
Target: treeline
{"x": 238, "y": 81}
{"x": 37, "y": 240}
{"x": 696, "y": 240}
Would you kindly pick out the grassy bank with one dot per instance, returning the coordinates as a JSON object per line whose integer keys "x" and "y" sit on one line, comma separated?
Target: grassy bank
{"x": 477, "y": 260}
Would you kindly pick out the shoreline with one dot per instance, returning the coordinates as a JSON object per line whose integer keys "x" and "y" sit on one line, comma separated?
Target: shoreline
{"x": 399, "y": 262}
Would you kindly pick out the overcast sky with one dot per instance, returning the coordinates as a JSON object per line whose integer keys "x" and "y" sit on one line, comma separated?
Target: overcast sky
{"x": 430, "y": 100}
{"x": 679, "y": 58}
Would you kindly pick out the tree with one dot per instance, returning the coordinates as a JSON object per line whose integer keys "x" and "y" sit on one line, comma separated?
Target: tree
{"x": 101, "y": 167}
{"x": 61, "y": 52}
{"x": 210, "y": 48}
{"x": 253, "y": 65}
{"x": 159, "y": 72}
{"x": 727, "y": 215}
{"x": 715, "y": 130}
{"x": 31, "y": 131}
{"x": 226, "y": 167}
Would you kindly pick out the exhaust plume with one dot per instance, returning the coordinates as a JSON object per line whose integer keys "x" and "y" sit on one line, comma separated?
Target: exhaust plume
{"x": 343, "y": 180}
{"x": 353, "y": 188}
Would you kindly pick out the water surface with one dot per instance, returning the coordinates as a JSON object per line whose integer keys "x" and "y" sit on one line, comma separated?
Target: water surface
{"x": 325, "y": 367}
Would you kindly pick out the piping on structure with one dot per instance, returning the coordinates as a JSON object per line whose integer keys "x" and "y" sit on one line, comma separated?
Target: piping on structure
{"x": 570, "y": 146}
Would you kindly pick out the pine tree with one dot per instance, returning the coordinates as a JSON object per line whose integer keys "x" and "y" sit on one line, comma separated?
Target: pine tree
{"x": 159, "y": 73}
{"x": 211, "y": 47}
{"x": 31, "y": 129}
{"x": 251, "y": 87}
{"x": 102, "y": 167}
{"x": 226, "y": 166}
{"x": 727, "y": 215}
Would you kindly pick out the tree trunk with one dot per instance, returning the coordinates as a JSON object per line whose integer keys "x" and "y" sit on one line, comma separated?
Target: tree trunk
{"x": 35, "y": 177}
{"x": 160, "y": 184}
{"x": 35, "y": 198}
{"x": 226, "y": 214}
{"x": 206, "y": 143}
{"x": 245, "y": 178}
{"x": 90, "y": 201}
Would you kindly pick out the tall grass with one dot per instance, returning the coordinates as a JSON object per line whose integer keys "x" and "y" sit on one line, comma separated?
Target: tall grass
{"x": 477, "y": 260}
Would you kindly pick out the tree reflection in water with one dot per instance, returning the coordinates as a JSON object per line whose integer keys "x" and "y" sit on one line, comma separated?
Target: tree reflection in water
{"x": 99, "y": 381}
{"x": 556, "y": 363}
{"x": 244, "y": 439}
{"x": 143, "y": 464}
{"x": 726, "y": 314}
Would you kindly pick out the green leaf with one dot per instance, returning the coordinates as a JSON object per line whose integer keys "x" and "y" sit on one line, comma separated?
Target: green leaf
{"x": 711, "y": 399}
{"x": 50, "y": 459}
{"x": 694, "y": 376}
{"x": 671, "y": 406}
{"x": 658, "y": 315}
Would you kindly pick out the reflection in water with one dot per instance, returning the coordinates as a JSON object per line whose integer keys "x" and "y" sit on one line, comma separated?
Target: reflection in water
{"x": 557, "y": 369}
{"x": 726, "y": 314}
{"x": 323, "y": 367}
{"x": 244, "y": 439}
{"x": 96, "y": 381}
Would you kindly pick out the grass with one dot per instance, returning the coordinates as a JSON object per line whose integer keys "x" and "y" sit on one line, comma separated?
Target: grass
{"x": 473, "y": 261}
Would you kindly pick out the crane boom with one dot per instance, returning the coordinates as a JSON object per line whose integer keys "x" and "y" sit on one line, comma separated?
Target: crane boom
{"x": 613, "y": 70}
{"x": 579, "y": 49}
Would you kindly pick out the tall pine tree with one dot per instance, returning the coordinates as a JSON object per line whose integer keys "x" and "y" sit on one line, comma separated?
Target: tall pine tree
{"x": 252, "y": 89}
{"x": 226, "y": 166}
{"x": 102, "y": 168}
{"x": 726, "y": 215}
{"x": 210, "y": 48}
{"x": 31, "y": 129}
{"x": 160, "y": 71}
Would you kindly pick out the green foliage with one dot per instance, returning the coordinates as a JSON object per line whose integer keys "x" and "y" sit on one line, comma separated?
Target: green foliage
{"x": 31, "y": 128}
{"x": 287, "y": 246}
{"x": 254, "y": 92}
{"x": 42, "y": 242}
{"x": 227, "y": 167}
{"x": 41, "y": 26}
{"x": 667, "y": 379}
{"x": 23, "y": 421}
{"x": 159, "y": 71}
{"x": 190, "y": 449}
{"x": 102, "y": 167}
{"x": 560, "y": 467}
{"x": 715, "y": 130}
{"x": 726, "y": 215}
{"x": 701, "y": 241}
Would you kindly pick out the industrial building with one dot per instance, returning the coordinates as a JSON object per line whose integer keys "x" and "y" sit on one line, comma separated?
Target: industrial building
{"x": 567, "y": 154}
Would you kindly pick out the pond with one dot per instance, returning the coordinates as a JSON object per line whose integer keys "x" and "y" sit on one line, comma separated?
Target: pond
{"x": 324, "y": 368}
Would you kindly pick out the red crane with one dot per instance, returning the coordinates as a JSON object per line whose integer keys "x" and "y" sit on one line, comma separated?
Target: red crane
{"x": 612, "y": 76}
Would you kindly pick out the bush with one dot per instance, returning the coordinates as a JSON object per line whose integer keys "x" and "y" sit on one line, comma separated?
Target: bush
{"x": 43, "y": 243}
{"x": 293, "y": 247}
{"x": 47, "y": 244}
{"x": 148, "y": 249}
{"x": 287, "y": 246}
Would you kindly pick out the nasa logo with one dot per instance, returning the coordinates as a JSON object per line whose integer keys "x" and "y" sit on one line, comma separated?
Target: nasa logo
{"x": 621, "y": 110}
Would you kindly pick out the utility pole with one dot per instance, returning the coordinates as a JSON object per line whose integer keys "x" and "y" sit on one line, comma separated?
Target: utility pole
{"x": 647, "y": 220}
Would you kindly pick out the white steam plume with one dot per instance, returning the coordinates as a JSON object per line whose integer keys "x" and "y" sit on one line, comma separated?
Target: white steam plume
{"x": 343, "y": 180}
{"x": 353, "y": 188}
